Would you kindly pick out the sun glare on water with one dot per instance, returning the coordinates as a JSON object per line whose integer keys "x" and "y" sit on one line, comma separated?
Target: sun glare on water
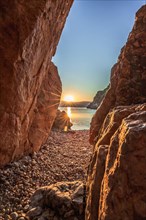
{"x": 69, "y": 112}
{"x": 69, "y": 98}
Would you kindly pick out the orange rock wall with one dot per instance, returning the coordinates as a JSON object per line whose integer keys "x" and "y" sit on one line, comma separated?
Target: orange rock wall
{"x": 29, "y": 34}
{"x": 116, "y": 184}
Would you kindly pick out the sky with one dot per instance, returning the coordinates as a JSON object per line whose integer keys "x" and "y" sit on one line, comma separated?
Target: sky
{"x": 94, "y": 33}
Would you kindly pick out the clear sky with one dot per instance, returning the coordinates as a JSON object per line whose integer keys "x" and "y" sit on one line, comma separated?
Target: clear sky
{"x": 94, "y": 33}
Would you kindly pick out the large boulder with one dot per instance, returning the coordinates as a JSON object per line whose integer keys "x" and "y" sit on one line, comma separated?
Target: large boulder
{"x": 116, "y": 184}
{"x": 30, "y": 88}
{"x": 62, "y": 122}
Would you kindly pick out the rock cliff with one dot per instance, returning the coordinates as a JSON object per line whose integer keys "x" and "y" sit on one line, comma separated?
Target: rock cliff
{"x": 128, "y": 75}
{"x": 30, "y": 87}
{"x": 98, "y": 99}
{"x": 116, "y": 185}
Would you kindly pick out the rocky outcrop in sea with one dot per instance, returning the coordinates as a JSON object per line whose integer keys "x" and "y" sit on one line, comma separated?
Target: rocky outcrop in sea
{"x": 98, "y": 98}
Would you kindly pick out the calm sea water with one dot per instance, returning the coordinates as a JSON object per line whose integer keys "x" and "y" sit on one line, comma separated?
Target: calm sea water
{"x": 80, "y": 117}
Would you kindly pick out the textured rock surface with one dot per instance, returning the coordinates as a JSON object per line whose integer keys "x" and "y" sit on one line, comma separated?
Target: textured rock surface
{"x": 29, "y": 34}
{"x": 128, "y": 75}
{"x": 62, "y": 121}
{"x": 117, "y": 131}
{"x": 123, "y": 189}
{"x": 98, "y": 99}
{"x": 45, "y": 110}
{"x": 61, "y": 200}
{"x": 116, "y": 185}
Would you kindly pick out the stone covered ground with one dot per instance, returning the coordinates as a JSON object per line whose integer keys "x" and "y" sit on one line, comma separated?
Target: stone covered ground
{"x": 64, "y": 157}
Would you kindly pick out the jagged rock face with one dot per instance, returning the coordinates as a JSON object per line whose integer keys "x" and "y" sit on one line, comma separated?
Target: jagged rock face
{"x": 124, "y": 129}
{"x": 128, "y": 75}
{"x": 116, "y": 185}
{"x": 123, "y": 189}
{"x": 29, "y": 34}
{"x": 98, "y": 99}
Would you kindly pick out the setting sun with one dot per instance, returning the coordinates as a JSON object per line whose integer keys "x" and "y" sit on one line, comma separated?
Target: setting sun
{"x": 69, "y": 98}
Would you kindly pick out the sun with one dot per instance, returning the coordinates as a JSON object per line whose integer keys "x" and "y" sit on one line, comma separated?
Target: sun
{"x": 69, "y": 98}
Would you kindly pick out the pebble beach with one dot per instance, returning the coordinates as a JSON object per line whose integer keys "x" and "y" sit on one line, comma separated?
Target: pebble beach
{"x": 64, "y": 157}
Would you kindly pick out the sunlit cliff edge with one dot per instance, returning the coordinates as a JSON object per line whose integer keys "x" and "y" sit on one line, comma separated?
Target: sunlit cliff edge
{"x": 116, "y": 185}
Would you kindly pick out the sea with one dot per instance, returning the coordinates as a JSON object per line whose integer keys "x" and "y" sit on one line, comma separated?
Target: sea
{"x": 80, "y": 117}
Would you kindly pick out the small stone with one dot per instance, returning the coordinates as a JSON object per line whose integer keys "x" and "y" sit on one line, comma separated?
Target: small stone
{"x": 7, "y": 217}
{"x": 26, "y": 208}
{"x": 14, "y": 215}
